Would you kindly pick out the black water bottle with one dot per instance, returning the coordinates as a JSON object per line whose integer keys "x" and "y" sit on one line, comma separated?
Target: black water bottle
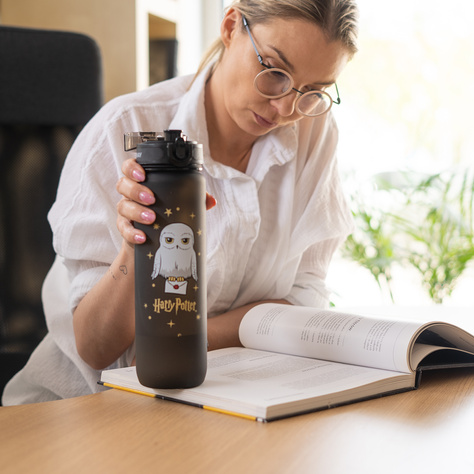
{"x": 170, "y": 280}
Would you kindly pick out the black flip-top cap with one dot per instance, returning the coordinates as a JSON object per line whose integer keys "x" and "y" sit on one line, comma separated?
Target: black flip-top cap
{"x": 171, "y": 150}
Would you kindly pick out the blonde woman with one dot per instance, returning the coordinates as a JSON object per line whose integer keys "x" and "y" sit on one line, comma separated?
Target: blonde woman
{"x": 261, "y": 106}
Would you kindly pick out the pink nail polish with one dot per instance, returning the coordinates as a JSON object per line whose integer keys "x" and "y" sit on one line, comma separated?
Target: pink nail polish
{"x": 146, "y": 198}
{"x": 139, "y": 239}
{"x": 138, "y": 175}
{"x": 148, "y": 216}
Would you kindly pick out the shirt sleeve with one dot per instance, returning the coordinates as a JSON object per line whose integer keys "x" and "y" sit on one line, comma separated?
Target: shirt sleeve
{"x": 325, "y": 219}
{"x": 309, "y": 288}
{"x": 83, "y": 217}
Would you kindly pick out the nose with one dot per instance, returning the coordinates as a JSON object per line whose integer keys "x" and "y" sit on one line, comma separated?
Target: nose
{"x": 286, "y": 104}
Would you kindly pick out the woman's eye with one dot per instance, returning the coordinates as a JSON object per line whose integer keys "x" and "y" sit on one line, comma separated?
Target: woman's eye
{"x": 279, "y": 75}
{"x": 312, "y": 89}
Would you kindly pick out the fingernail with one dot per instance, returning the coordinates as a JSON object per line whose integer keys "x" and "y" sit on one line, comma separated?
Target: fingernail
{"x": 213, "y": 202}
{"x": 148, "y": 216}
{"x": 138, "y": 175}
{"x": 139, "y": 238}
{"x": 146, "y": 198}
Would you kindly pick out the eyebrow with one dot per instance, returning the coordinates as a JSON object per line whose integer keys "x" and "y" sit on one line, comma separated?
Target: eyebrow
{"x": 283, "y": 58}
{"x": 291, "y": 68}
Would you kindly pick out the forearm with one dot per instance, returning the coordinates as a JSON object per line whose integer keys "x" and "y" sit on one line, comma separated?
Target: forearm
{"x": 223, "y": 330}
{"x": 104, "y": 322}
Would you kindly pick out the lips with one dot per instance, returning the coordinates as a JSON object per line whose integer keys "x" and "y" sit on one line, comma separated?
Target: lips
{"x": 264, "y": 122}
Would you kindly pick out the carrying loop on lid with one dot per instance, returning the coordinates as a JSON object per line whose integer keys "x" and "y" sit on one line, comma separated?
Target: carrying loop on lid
{"x": 171, "y": 150}
{"x": 179, "y": 153}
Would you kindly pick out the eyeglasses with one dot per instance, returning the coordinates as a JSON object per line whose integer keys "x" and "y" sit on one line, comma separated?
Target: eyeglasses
{"x": 274, "y": 83}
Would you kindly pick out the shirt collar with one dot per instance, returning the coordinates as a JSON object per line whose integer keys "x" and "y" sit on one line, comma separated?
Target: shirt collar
{"x": 191, "y": 116}
{"x": 275, "y": 148}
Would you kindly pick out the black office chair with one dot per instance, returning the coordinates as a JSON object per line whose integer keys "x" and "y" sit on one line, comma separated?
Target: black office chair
{"x": 50, "y": 86}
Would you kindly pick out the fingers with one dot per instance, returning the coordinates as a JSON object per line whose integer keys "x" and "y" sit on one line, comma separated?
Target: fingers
{"x": 210, "y": 201}
{"x": 133, "y": 205}
{"x": 128, "y": 212}
{"x": 133, "y": 170}
{"x": 128, "y": 232}
{"x": 134, "y": 191}
{"x": 128, "y": 186}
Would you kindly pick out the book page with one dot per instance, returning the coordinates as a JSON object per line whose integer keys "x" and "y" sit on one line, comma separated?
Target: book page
{"x": 259, "y": 383}
{"x": 329, "y": 335}
{"x": 269, "y": 377}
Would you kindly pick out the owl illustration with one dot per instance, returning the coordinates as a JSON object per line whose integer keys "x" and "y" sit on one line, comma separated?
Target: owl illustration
{"x": 175, "y": 257}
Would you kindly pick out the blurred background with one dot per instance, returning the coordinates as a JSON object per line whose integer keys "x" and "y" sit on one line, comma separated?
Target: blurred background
{"x": 406, "y": 128}
{"x": 406, "y": 155}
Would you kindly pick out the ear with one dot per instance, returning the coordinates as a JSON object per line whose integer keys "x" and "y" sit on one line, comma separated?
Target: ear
{"x": 230, "y": 25}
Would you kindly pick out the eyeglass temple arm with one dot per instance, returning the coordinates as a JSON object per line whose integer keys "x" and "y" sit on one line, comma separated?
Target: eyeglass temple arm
{"x": 338, "y": 100}
{"x": 246, "y": 24}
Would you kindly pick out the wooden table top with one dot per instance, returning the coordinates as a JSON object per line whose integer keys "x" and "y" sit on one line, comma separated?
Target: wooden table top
{"x": 427, "y": 430}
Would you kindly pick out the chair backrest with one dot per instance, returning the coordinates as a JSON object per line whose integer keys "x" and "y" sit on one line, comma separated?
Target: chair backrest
{"x": 50, "y": 86}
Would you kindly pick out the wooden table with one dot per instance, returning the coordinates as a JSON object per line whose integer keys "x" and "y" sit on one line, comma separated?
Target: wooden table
{"x": 428, "y": 430}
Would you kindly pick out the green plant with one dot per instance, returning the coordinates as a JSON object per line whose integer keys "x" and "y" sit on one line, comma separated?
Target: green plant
{"x": 370, "y": 246}
{"x": 427, "y": 224}
{"x": 441, "y": 236}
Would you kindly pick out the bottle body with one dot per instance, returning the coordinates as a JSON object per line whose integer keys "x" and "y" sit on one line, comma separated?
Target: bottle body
{"x": 170, "y": 283}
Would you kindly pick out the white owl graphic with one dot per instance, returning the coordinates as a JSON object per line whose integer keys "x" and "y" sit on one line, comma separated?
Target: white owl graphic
{"x": 175, "y": 258}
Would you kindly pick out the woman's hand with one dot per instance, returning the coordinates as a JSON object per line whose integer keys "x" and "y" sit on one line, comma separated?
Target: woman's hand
{"x": 104, "y": 325}
{"x": 133, "y": 207}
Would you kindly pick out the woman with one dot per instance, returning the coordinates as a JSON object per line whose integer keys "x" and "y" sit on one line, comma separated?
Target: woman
{"x": 261, "y": 110}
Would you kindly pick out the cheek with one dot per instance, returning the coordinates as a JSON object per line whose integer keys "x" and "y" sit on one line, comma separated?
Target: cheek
{"x": 239, "y": 72}
{"x": 240, "y": 97}
{"x": 242, "y": 86}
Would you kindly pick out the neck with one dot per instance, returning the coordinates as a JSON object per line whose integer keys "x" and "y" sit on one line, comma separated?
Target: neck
{"x": 228, "y": 144}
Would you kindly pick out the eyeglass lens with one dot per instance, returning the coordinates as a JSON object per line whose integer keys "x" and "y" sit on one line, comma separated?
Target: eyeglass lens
{"x": 276, "y": 83}
{"x": 273, "y": 82}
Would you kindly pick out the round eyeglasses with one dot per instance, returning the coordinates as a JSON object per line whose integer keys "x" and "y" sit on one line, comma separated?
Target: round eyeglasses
{"x": 274, "y": 83}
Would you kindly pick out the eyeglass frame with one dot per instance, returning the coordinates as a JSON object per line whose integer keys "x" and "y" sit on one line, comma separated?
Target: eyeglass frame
{"x": 260, "y": 60}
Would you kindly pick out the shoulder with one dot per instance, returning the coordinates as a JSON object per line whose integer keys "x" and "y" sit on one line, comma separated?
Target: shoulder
{"x": 151, "y": 109}
{"x": 320, "y": 133}
{"x": 157, "y": 103}
{"x": 313, "y": 146}
{"x": 162, "y": 92}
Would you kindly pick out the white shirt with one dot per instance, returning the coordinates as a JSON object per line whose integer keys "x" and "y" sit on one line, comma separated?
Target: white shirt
{"x": 271, "y": 235}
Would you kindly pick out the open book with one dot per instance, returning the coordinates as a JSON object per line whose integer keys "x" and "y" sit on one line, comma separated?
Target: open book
{"x": 299, "y": 359}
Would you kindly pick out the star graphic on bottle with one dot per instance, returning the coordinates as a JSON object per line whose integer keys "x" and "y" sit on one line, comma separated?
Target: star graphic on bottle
{"x": 168, "y": 212}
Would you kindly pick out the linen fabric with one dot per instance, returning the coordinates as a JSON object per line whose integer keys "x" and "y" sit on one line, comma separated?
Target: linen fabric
{"x": 271, "y": 235}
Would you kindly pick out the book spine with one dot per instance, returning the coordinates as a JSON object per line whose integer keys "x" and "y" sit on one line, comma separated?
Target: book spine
{"x": 170, "y": 399}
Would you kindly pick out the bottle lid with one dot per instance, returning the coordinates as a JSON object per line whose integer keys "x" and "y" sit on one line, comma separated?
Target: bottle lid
{"x": 171, "y": 150}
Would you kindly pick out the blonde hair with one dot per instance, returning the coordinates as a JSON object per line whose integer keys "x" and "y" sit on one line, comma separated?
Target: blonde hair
{"x": 337, "y": 18}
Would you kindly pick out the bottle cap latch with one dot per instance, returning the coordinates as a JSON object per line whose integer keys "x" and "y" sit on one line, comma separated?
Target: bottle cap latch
{"x": 171, "y": 149}
{"x": 132, "y": 139}
{"x": 179, "y": 153}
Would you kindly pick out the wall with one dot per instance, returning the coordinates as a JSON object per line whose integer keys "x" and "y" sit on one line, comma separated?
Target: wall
{"x": 109, "y": 22}
{"x": 121, "y": 28}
